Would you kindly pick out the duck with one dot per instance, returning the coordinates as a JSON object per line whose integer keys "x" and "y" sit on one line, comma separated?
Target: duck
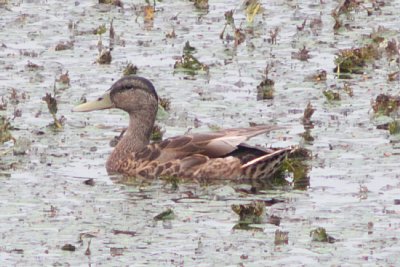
{"x": 217, "y": 155}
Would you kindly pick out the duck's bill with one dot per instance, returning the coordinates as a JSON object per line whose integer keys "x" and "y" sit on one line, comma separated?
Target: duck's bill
{"x": 103, "y": 102}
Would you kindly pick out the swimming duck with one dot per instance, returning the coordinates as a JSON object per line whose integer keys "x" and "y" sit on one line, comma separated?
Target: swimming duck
{"x": 210, "y": 156}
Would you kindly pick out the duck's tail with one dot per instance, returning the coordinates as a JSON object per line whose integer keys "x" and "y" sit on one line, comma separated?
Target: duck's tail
{"x": 263, "y": 167}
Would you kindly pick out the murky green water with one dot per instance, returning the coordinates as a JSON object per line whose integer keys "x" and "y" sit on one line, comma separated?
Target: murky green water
{"x": 45, "y": 205}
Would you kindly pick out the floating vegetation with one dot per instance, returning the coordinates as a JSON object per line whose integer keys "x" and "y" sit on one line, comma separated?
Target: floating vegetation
{"x": 64, "y": 79}
{"x": 354, "y": 60}
{"x": 165, "y": 103}
{"x": 252, "y": 8}
{"x": 308, "y": 112}
{"x": 395, "y": 76}
{"x": 104, "y": 57}
{"x": 112, "y": 35}
{"x": 64, "y": 46}
{"x": 331, "y": 95}
{"x": 201, "y": 4}
{"x": 171, "y": 34}
{"x": 385, "y": 105}
{"x": 148, "y": 11}
{"x": 301, "y": 27}
{"x": 188, "y": 63}
{"x": 348, "y": 89}
{"x": 265, "y": 90}
{"x": 238, "y": 34}
{"x": 302, "y": 54}
{"x": 30, "y": 66}
{"x": 100, "y": 30}
{"x": 130, "y": 69}
{"x": 392, "y": 48}
{"x": 117, "y": 3}
{"x": 320, "y": 235}
{"x": 165, "y": 215}
{"x": 21, "y": 146}
{"x": 273, "y": 35}
{"x": 281, "y": 237}
{"x": 343, "y": 9}
{"x": 394, "y": 127}
{"x": 157, "y": 133}
{"x": 252, "y": 213}
{"x": 295, "y": 163}
{"x": 52, "y": 106}
{"x": 319, "y": 76}
{"x": 5, "y": 128}
{"x": 174, "y": 181}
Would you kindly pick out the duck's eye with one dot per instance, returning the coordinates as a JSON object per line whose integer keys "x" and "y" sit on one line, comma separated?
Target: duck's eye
{"x": 99, "y": 99}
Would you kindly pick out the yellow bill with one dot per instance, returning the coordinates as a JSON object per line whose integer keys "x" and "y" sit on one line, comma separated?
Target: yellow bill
{"x": 103, "y": 102}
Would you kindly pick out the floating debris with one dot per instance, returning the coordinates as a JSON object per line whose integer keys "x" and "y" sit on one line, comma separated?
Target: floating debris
{"x": 89, "y": 182}
{"x": 165, "y": 215}
{"x": 68, "y": 247}
{"x": 275, "y": 220}
{"x": 320, "y": 235}
{"x": 281, "y": 237}
{"x": 123, "y": 232}
{"x": 252, "y": 213}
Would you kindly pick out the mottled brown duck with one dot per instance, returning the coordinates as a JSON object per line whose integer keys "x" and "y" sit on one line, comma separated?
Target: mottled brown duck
{"x": 203, "y": 156}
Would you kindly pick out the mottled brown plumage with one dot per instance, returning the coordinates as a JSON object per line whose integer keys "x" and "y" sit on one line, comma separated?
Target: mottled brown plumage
{"x": 206, "y": 156}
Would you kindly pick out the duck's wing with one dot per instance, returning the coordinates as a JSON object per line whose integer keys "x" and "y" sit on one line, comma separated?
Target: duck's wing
{"x": 211, "y": 145}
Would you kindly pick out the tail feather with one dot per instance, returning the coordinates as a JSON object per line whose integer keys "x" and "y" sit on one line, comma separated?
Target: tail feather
{"x": 265, "y": 166}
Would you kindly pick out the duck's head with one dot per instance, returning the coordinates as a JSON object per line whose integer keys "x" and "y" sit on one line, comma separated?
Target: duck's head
{"x": 132, "y": 94}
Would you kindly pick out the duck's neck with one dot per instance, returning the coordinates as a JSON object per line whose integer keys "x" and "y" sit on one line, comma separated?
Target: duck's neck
{"x": 136, "y": 137}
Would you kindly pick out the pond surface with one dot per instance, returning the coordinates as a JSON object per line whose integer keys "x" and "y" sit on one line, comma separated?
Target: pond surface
{"x": 354, "y": 178}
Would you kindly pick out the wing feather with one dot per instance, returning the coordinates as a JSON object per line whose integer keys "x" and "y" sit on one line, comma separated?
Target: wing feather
{"x": 213, "y": 145}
